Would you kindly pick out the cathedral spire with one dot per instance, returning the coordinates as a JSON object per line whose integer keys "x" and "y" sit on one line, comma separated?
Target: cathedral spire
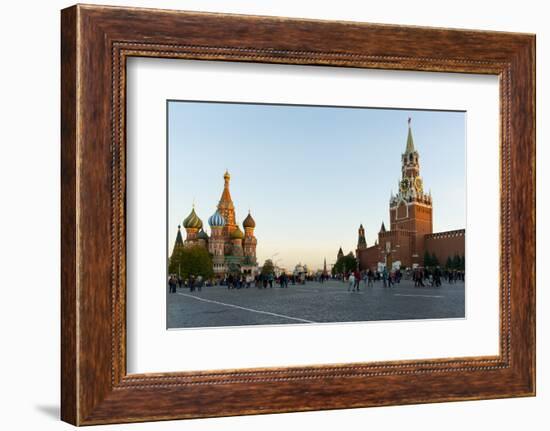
{"x": 226, "y": 195}
{"x": 410, "y": 144}
{"x": 226, "y": 207}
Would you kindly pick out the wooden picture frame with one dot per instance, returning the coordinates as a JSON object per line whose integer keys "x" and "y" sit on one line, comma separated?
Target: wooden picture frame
{"x": 95, "y": 43}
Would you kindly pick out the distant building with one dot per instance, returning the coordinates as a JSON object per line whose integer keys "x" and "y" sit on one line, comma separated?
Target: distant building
{"x": 230, "y": 247}
{"x": 411, "y": 224}
{"x": 300, "y": 270}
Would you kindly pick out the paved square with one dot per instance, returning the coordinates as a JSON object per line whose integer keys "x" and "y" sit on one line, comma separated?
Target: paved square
{"x": 312, "y": 303}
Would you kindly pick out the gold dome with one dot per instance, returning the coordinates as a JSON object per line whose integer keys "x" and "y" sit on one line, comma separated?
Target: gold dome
{"x": 237, "y": 234}
{"x": 192, "y": 221}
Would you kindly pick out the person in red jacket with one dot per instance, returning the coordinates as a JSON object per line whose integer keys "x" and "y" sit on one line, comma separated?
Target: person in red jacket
{"x": 357, "y": 276}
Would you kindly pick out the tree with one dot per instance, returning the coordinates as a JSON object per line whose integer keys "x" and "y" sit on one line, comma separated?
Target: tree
{"x": 345, "y": 264}
{"x": 268, "y": 267}
{"x": 234, "y": 269}
{"x": 435, "y": 260}
{"x": 449, "y": 263}
{"x": 457, "y": 262}
{"x": 427, "y": 259}
{"x": 194, "y": 260}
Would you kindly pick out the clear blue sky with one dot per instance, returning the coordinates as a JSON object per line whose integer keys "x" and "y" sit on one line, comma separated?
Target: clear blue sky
{"x": 310, "y": 175}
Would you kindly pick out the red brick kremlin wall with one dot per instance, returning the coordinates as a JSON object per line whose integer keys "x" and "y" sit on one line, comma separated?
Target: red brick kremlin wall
{"x": 369, "y": 257}
{"x": 442, "y": 244}
{"x": 446, "y": 244}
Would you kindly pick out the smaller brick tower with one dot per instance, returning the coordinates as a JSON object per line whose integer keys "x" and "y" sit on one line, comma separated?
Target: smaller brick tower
{"x": 361, "y": 241}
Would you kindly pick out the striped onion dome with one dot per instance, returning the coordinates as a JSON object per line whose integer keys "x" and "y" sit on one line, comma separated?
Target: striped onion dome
{"x": 202, "y": 235}
{"x": 237, "y": 234}
{"x": 249, "y": 221}
{"x": 192, "y": 221}
{"x": 216, "y": 220}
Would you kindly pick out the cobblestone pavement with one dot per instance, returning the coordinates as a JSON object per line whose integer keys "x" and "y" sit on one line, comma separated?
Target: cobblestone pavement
{"x": 312, "y": 303}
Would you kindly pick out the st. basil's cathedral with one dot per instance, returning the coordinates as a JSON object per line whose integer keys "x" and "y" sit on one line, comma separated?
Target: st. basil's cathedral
{"x": 411, "y": 227}
{"x": 229, "y": 246}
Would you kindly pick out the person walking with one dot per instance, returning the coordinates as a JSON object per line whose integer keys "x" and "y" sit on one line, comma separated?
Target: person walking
{"x": 418, "y": 278}
{"x": 172, "y": 284}
{"x": 385, "y": 277}
{"x": 357, "y": 281}
{"x": 437, "y": 277}
{"x": 284, "y": 280}
{"x": 351, "y": 282}
{"x": 199, "y": 283}
{"x": 370, "y": 278}
{"x": 421, "y": 277}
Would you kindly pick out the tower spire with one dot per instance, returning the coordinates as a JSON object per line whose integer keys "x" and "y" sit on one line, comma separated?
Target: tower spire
{"x": 179, "y": 239}
{"x": 226, "y": 195}
{"x": 361, "y": 241}
{"x": 226, "y": 207}
{"x": 410, "y": 142}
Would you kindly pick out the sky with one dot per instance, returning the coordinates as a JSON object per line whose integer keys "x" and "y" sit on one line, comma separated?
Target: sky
{"x": 309, "y": 175}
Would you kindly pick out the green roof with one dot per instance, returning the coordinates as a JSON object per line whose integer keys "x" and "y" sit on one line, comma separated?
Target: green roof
{"x": 410, "y": 143}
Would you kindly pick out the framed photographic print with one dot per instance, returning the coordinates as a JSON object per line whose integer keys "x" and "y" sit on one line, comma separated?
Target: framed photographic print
{"x": 267, "y": 215}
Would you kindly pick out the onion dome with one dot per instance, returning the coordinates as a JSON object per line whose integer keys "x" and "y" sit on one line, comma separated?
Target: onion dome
{"x": 202, "y": 235}
{"x": 192, "y": 221}
{"x": 237, "y": 234}
{"x": 216, "y": 220}
{"x": 249, "y": 221}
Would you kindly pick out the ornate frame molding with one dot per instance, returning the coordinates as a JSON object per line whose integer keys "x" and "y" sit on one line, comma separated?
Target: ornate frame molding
{"x": 96, "y": 41}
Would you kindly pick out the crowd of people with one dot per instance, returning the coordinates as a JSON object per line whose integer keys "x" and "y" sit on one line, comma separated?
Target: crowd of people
{"x": 240, "y": 281}
{"x": 369, "y": 277}
{"x": 422, "y": 277}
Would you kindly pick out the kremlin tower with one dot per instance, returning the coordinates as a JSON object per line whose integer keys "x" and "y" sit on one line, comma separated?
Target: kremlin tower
{"x": 410, "y": 235}
{"x": 361, "y": 241}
